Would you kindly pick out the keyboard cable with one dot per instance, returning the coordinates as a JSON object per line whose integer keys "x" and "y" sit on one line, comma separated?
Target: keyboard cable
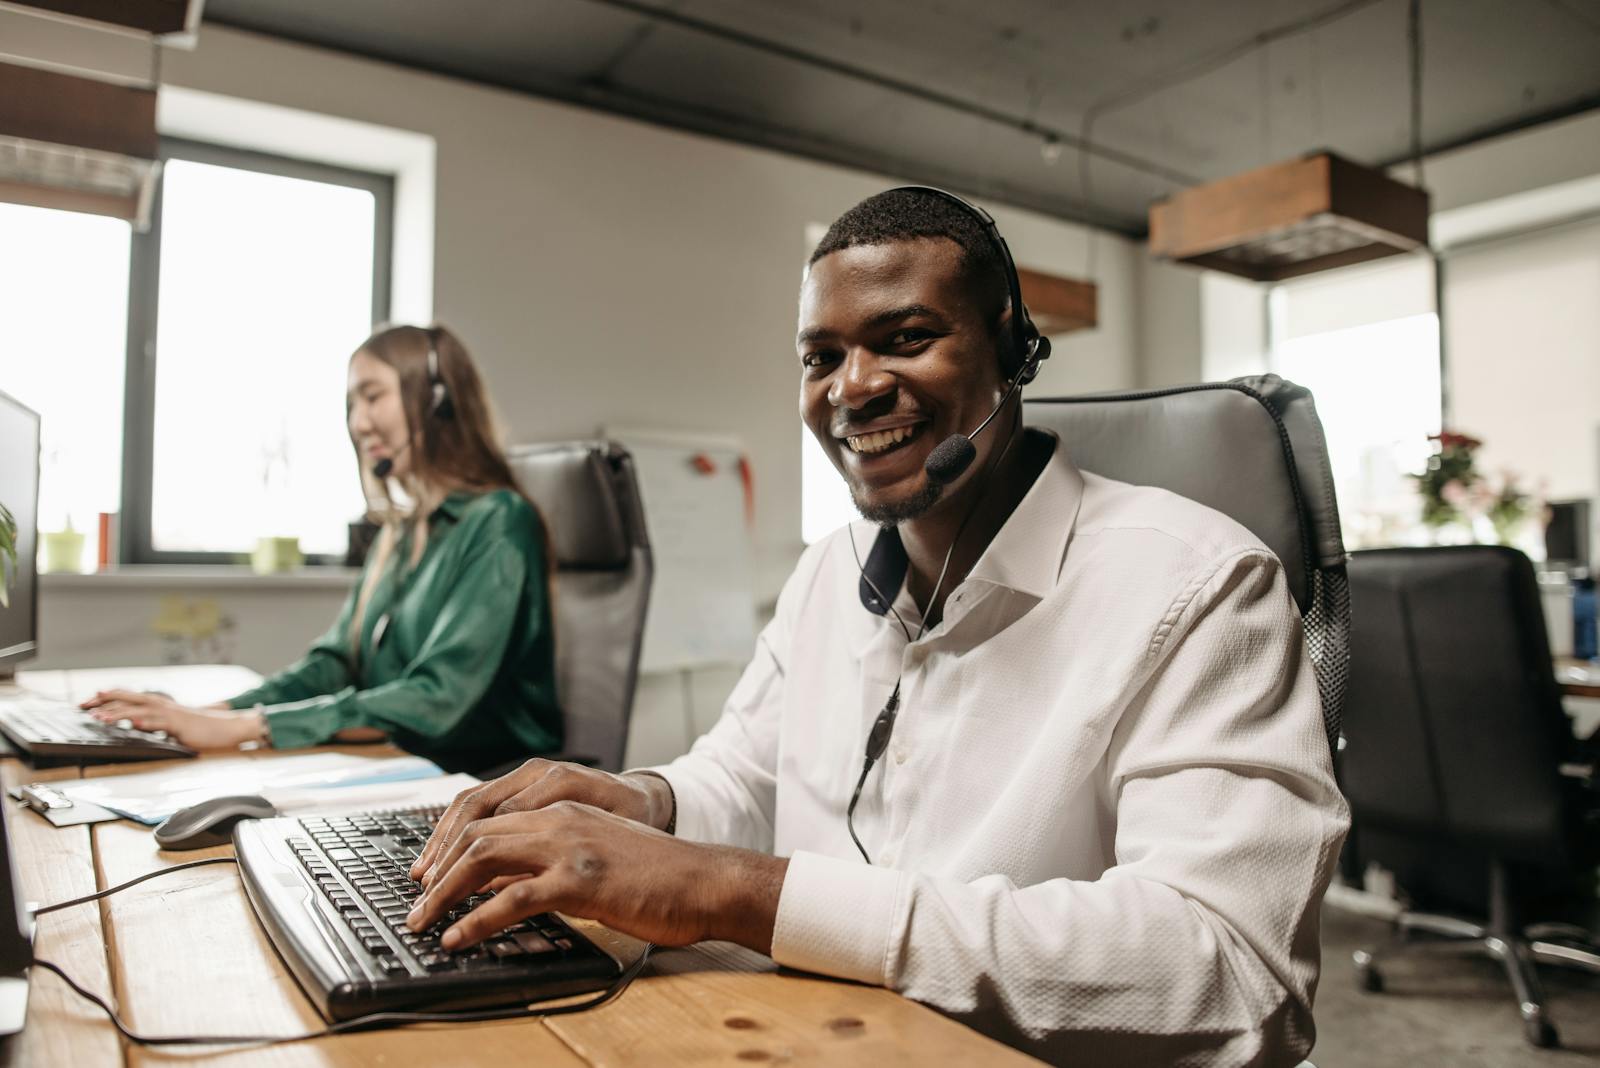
{"x": 371, "y": 1021}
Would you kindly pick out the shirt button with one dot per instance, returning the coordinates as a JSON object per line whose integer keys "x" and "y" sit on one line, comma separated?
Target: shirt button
{"x": 899, "y": 755}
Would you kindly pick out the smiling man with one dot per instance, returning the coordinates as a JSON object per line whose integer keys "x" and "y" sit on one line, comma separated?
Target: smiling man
{"x": 1072, "y": 723}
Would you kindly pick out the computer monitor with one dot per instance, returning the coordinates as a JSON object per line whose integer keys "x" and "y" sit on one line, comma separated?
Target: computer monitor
{"x": 16, "y": 948}
{"x": 1566, "y": 537}
{"x": 19, "y": 492}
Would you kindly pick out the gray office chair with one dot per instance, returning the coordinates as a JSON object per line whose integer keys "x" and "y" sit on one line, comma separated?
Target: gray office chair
{"x": 1252, "y": 448}
{"x": 1453, "y": 772}
{"x": 589, "y": 495}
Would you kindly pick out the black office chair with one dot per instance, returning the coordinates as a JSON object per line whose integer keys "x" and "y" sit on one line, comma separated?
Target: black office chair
{"x": 1253, "y": 449}
{"x": 1456, "y": 737}
{"x": 589, "y": 495}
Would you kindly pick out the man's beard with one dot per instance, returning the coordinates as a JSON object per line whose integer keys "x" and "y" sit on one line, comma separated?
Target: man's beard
{"x": 893, "y": 513}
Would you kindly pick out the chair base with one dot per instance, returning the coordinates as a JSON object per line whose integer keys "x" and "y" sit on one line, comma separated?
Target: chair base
{"x": 1518, "y": 949}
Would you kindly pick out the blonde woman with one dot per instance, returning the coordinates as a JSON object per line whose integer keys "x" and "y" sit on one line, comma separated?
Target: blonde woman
{"x": 446, "y": 647}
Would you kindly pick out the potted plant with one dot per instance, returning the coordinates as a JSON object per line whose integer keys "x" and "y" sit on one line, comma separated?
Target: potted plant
{"x": 1456, "y": 495}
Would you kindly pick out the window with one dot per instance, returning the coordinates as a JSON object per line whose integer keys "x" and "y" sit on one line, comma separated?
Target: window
{"x": 192, "y": 377}
{"x": 825, "y": 503}
{"x": 64, "y": 320}
{"x": 257, "y": 279}
{"x": 1371, "y": 360}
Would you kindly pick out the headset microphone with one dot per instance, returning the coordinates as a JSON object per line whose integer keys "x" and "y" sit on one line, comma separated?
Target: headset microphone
{"x": 382, "y": 468}
{"x": 955, "y": 453}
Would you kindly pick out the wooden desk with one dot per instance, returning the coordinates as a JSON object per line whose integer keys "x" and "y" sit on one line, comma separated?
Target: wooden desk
{"x": 185, "y": 955}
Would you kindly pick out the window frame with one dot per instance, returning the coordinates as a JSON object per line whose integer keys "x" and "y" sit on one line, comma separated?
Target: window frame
{"x": 144, "y": 284}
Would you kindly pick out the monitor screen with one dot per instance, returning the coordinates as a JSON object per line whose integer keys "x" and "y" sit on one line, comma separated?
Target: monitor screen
{"x": 1566, "y": 537}
{"x": 19, "y": 493}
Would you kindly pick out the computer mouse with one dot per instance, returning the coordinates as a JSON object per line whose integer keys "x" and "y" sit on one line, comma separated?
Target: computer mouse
{"x": 210, "y": 823}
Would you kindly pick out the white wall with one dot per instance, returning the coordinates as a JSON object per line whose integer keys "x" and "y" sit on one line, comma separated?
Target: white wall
{"x": 1522, "y": 332}
{"x": 605, "y": 271}
{"x": 112, "y": 621}
{"x": 1198, "y": 325}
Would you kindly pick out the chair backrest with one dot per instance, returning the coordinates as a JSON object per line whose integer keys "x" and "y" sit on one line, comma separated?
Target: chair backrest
{"x": 1253, "y": 449}
{"x": 589, "y": 496}
{"x": 1454, "y": 721}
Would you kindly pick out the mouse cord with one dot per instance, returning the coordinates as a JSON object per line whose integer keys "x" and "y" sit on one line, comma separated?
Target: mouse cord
{"x": 371, "y": 1021}
{"x": 85, "y": 899}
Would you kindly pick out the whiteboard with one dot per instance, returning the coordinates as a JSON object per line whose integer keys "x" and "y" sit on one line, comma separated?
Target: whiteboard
{"x": 702, "y": 602}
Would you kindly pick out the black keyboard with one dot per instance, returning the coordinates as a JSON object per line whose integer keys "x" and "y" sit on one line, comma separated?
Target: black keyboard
{"x": 53, "y": 732}
{"x": 344, "y": 935}
{"x": 374, "y": 854}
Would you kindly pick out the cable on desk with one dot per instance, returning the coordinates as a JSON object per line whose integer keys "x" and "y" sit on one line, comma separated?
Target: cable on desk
{"x": 375, "y": 1021}
{"x": 372, "y": 1021}
{"x": 86, "y": 898}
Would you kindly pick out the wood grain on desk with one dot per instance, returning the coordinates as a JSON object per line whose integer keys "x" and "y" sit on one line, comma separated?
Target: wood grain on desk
{"x": 189, "y": 956}
{"x": 55, "y": 864}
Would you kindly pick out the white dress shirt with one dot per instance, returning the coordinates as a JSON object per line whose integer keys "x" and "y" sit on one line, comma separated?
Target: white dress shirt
{"x": 1106, "y": 817}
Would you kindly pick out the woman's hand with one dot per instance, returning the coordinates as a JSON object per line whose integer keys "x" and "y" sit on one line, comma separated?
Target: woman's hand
{"x": 539, "y": 784}
{"x": 198, "y": 728}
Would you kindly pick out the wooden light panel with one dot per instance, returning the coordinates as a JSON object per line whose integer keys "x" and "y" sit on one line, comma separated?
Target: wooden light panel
{"x": 1289, "y": 219}
{"x": 146, "y": 16}
{"x": 76, "y": 144}
{"x": 1059, "y": 305}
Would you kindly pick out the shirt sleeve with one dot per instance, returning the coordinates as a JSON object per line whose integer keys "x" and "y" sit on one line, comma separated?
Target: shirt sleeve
{"x": 451, "y": 671}
{"x": 1200, "y": 943}
{"x": 726, "y": 786}
{"x": 324, "y": 669}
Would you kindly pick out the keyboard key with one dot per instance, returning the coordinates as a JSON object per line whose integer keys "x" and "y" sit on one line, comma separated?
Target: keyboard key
{"x": 533, "y": 943}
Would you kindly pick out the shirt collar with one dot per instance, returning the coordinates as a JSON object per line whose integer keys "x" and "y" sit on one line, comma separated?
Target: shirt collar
{"x": 1028, "y": 552}
{"x": 1026, "y": 555}
{"x": 450, "y": 508}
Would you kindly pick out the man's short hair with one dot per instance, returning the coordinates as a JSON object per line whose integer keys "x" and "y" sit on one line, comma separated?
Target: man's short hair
{"x": 906, "y": 215}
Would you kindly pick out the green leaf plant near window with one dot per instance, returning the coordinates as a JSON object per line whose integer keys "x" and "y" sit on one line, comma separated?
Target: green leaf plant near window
{"x": 1458, "y": 500}
{"x": 8, "y": 554}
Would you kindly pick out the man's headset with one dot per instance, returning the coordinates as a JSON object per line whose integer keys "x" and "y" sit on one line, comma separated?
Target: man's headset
{"x": 1019, "y": 359}
{"x": 440, "y": 404}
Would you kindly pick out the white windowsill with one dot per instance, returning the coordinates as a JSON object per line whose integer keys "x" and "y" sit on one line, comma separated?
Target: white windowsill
{"x": 202, "y": 576}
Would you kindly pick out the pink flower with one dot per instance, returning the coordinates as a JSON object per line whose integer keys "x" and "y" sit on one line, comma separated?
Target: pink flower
{"x": 1453, "y": 493}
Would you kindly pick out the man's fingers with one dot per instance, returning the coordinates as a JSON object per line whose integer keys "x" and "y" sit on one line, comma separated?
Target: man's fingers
{"x": 485, "y": 850}
{"x": 474, "y": 804}
{"x": 430, "y": 848}
{"x": 500, "y": 882}
{"x": 528, "y": 897}
{"x": 469, "y": 805}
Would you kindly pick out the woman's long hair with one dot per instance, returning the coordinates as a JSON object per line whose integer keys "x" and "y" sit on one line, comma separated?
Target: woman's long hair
{"x": 457, "y": 448}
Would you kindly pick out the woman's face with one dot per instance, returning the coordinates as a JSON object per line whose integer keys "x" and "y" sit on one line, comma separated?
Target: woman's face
{"x": 377, "y": 416}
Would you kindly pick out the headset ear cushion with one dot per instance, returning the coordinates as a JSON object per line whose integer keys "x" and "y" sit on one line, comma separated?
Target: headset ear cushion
{"x": 442, "y": 407}
{"x": 1041, "y": 352}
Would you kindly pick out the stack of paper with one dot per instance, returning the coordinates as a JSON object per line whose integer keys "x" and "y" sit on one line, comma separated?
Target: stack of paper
{"x": 295, "y": 781}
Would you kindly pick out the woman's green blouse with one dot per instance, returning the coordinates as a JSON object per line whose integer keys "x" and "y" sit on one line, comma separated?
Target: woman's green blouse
{"x": 456, "y": 660}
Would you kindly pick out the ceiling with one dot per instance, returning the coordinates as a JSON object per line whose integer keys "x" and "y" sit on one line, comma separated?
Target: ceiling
{"x": 999, "y": 98}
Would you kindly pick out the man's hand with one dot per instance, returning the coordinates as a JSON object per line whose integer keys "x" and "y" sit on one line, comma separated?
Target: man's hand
{"x": 598, "y": 865}
{"x": 199, "y": 728}
{"x": 538, "y": 784}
